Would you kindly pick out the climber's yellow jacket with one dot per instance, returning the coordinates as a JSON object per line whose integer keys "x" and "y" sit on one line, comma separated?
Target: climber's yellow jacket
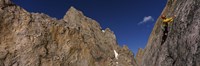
{"x": 168, "y": 20}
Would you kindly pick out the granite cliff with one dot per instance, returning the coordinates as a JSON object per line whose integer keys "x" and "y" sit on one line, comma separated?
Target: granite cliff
{"x": 182, "y": 45}
{"x": 35, "y": 39}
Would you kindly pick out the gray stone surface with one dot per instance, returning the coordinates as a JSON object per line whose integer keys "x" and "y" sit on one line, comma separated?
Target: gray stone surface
{"x": 182, "y": 46}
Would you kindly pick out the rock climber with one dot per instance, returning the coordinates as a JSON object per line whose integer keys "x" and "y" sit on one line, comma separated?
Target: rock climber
{"x": 166, "y": 21}
{"x": 164, "y": 26}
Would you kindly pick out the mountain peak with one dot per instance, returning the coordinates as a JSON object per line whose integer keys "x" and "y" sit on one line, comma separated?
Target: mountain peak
{"x": 72, "y": 9}
{"x": 72, "y": 14}
{"x": 40, "y": 40}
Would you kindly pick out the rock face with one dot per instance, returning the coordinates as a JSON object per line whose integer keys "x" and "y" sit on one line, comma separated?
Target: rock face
{"x": 182, "y": 45}
{"x": 33, "y": 39}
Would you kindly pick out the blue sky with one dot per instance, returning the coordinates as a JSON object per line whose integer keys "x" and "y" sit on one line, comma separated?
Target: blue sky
{"x": 131, "y": 20}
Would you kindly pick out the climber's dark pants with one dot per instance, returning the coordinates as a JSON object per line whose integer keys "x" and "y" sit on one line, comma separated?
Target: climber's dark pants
{"x": 165, "y": 33}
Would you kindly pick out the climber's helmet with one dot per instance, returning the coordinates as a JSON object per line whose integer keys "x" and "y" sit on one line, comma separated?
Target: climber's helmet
{"x": 163, "y": 17}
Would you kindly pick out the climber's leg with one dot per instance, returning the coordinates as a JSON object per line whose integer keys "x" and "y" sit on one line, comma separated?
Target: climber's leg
{"x": 165, "y": 33}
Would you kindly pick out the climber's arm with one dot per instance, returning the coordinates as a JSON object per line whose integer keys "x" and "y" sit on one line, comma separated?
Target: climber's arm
{"x": 168, "y": 20}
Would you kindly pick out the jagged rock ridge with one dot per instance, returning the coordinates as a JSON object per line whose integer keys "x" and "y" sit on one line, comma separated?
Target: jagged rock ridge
{"x": 182, "y": 45}
{"x": 34, "y": 39}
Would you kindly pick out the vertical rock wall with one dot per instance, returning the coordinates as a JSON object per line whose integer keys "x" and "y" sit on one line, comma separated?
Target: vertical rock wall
{"x": 182, "y": 45}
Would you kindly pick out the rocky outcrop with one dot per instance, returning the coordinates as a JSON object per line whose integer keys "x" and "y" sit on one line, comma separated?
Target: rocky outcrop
{"x": 182, "y": 45}
{"x": 139, "y": 56}
{"x": 34, "y": 39}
